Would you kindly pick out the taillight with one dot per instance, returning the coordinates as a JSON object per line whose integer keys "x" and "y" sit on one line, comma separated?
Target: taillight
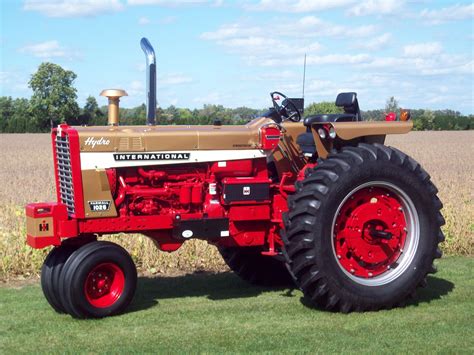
{"x": 391, "y": 116}
{"x": 326, "y": 131}
{"x": 269, "y": 137}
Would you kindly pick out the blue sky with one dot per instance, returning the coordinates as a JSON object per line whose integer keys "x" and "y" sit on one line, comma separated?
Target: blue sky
{"x": 234, "y": 53}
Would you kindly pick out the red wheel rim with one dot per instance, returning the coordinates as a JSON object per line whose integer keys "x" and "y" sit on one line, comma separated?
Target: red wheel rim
{"x": 104, "y": 285}
{"x": 370, "y": 231}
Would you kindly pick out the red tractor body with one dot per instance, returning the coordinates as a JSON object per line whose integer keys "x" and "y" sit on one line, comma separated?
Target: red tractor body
{"x": 323, "y": 203}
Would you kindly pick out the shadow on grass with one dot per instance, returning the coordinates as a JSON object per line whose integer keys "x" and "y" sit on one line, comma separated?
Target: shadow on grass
{"x": 435, "y": 289}
{"x": 220, "y": 286}
{"x": 223, "y": 286}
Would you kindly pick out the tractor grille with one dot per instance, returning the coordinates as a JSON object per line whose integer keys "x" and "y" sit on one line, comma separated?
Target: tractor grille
{"x": 66, "y": 188}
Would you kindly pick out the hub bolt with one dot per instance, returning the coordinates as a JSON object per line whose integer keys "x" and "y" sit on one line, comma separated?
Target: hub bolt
{"x": 352, "y": 271}
{"x": 338, "y": 256}
{"x": 370, "y": 274}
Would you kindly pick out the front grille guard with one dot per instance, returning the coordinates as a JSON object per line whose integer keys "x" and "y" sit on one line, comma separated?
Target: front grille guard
{"x": 64, "y": 172}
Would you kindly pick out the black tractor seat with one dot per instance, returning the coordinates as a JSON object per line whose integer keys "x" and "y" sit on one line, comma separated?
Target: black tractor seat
{"x": 346, "y": 100}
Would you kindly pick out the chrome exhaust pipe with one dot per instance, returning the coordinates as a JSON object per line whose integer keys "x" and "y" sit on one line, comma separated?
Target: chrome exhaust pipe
{"x": 150, "y": 81}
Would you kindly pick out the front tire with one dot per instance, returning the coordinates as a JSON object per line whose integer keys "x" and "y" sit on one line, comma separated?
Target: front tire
{"x": 50, "y": 273}
{"x": 98, "y": 280}
{"x": 363, "y": 229}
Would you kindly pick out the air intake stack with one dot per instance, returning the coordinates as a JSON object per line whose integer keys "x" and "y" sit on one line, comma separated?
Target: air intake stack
{"x": 114, "y": 96}
{"x": 150, "y": 81}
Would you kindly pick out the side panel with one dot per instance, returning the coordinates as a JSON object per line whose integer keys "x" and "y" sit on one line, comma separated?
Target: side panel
{"x": 97, "y": 192}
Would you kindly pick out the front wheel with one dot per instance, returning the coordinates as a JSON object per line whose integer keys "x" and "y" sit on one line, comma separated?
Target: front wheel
{"x": 98, "y": 280}
{"x": 50, "y": 273}
{"x": 363, "y": 229}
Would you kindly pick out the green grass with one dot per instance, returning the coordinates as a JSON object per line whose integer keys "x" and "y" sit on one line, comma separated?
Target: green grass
{"x": 220, "y": 313}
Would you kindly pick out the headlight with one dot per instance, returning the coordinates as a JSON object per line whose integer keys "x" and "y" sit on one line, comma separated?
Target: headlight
{"x": 332, "y": 133}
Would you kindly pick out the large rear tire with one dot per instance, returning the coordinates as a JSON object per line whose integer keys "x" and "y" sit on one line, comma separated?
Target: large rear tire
{"x": 98, "y": 280}
{"x": 363, "y": 229}
{"x": 250, "y": 265}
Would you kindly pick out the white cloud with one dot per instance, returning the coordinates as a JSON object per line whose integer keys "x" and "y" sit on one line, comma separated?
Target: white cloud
{"x": 375, "y": 43}
{"x": 338, "y": 59}
{"x": 4, "y": 77}
{"x": 73, "y": 8}
{"x": 173, "y": 79}
{"x": 136, "y": 88}
{"x": 376, "y": 7}
{"x": 48, "y": 50}
{"x": 231, "y": 31}
{"x": 422, "y": 50}
{"x": 451, "y": 13}
{"x": 305, "y": 27}
{"x": 211, "y": 98}
{"x": 170, "y": 3}
{"x": 168, "y": 20}
{"x": 297, "y": 6}
{"x": 143, "y": 21}
{"x": 275, "y": 75}
{"x": 17, "y": 82}
{"x": 435, "y": 65}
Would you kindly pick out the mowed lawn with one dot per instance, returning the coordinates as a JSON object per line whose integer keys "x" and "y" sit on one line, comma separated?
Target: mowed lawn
{"x": 219, "y": 313}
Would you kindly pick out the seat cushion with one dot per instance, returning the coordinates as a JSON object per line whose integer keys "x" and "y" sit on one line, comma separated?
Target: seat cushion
{"x": 306, "y": 143}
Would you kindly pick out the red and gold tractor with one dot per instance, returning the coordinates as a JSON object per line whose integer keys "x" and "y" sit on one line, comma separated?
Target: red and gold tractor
{"x": 321, "y": 203}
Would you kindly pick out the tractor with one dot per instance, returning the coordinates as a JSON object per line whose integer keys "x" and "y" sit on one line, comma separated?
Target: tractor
{"x": 318, "y": 203}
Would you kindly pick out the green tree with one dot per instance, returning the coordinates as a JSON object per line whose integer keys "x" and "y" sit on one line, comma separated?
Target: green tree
{"x": 6, "y": 112}
{"x": 91, "y": 113}
{"x": 325, "y": 107}
{"x": 54, "y": 96}
{"x": 391, "y": 105}
{"x": 14, "y": 116}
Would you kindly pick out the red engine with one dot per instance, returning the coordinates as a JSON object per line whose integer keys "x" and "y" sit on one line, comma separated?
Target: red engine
{"x": 234, "y": 199}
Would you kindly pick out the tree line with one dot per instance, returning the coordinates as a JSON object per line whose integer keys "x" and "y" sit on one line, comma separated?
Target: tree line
{"x": 54, "y": 100}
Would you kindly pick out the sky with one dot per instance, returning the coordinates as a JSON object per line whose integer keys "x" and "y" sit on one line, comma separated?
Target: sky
{"x": 234, "y": 53}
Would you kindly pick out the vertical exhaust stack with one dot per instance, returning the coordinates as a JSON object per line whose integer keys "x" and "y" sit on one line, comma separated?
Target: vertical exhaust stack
{"x": 150, "y": 81}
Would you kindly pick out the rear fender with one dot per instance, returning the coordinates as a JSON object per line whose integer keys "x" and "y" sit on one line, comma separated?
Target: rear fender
{"x": 350, "y": 132}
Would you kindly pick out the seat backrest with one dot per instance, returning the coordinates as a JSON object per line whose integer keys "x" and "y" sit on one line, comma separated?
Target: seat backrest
{"x": 348, "y": 100}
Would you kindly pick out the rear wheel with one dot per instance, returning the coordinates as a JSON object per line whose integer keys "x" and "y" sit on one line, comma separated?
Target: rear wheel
{"x": 250, "y": 265}
{"x": 363, "y": 229}
{"x": 98, "y": 280}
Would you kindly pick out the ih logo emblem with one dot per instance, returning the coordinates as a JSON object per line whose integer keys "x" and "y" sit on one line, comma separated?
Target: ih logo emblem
{"x": 44, "y": 227}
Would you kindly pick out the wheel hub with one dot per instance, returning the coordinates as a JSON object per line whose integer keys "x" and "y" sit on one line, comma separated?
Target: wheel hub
{"x": 104, "y": 285}
{"x": 370, "y": 232}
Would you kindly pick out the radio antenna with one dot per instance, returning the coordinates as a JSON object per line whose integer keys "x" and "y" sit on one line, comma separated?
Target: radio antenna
{"x": 304, "y": 73}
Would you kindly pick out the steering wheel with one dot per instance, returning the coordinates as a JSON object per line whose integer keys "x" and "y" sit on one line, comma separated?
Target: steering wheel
{"x": 287, "y": 109}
